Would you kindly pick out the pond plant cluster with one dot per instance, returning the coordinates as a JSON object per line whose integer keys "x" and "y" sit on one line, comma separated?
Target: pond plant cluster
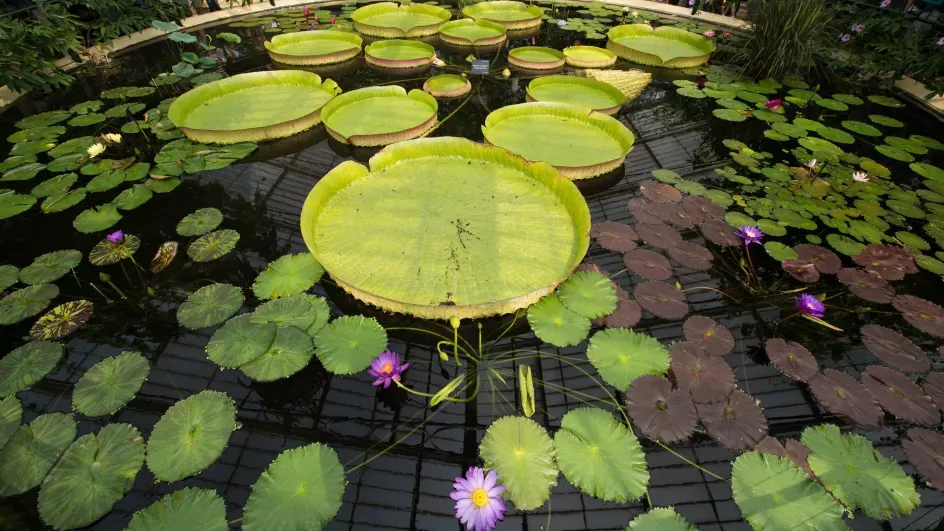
{"x": 842, "y": 214}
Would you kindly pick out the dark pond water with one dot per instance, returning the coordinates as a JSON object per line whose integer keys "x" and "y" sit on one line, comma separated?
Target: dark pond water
{"x": 407, "y": 487}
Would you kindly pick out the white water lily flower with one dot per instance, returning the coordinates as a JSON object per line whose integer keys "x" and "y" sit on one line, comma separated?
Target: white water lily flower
{"x": 811, "y": 164}
{"x": 95, "y": 150}
{"x": 114, "y": 138}
{"x": 860, "y": 176}
{"x": 562, "y": 23}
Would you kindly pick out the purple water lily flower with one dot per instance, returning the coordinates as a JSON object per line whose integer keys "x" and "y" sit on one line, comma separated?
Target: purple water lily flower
{"x": 478, "y": 499}
{"x": 750, "y": 235}
{"x": 858, "y": 28}
{"x": 940, "y": 42}
{"x": 810, "y": 305}
{"x": 773, "y": 104}
{"x": 845, "y": 37}
{"x": 387, "y": 368}
{"x": 116, "y": 237}
{"x": 886, "y": 3}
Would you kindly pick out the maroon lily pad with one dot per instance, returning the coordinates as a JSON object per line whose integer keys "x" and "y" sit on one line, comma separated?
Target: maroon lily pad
{"x": 644, "y": 211}
{"x": 900, "y": 396}
{"x": 692, "y": 255}
{"x": 627, "y": 314}
{"x": 792, "y": 359}
{"x": 714, "y": 338}
{"x": 843, "y": 396}
{"x": 894, "y": 349}
{"x": 661, "y": 299}
{"x": 706, "y": 378}
{"x": 890, "y": 262}
{"x": 720, "y": 233}
{"x": 795, "y": 451}
{"x": 824, "y": 260}
{"x": 702, "y": 209}
{"x": 933, "y": 385}
{"x": 658, "y": 235}
{"x": 659, "y": 192}
{"x": 925, "y": 451}
{"x": 801, "y": 270}
{"x": 867, "y": 285}
{"x": 922, "y": 314}
{"x": 660, "y": 412}
{"x": 648, "y": 264}
{"x": 674, "y": 213}
{"x": 614, "y": 236}
{"x": 738, "y": 422}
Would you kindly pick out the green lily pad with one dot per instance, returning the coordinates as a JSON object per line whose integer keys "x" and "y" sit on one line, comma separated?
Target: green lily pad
{"x": 733, "y": 105}
{"x": 289, "y": 352}
{"x": 289, "y": 275}
{"x": 86, "y": 107}
{"x": 110, "y": 384}
{"x": 188, "y": 509}
{"x": 522, "y": 454}
{"x": 660, "y": 519}
{"x": 790, "y": 130}
{"x": 32, "y": 147}
{"x": 47, "y": 133}
{"x": 729, "y": 115}
{"x": 349, "y": 343}
{"x": 124, "y": 110}
{"x": 26, "y": 302}
{"x": 874, "y": 168}
{"x": 23, "y": 172}
{"x": 817, "y": 145}
{"x": 9, "y": 275}
{"x": 836, "y": 135}
{"x": 739, "y": 219}
{"x": 55, "y": 185}
{"x": 50, "y": 266}
{"x": 26, "y": 365}
{"x": 929, "y": 263}
{"x": 928, "y": 142}
{"x": 927, "y": 170}
{"x": 864, "y": 231}
{"x": 773, "y": 493}
{"x": 887, "y": 121}
{"x": 848, "y": 99}
{"x": 213, "y": 245}
{"x": 691, "y": 188}
{"x": 61, "y": 320}
{"x": 77, "y": 145}
{"x": 553, "y": 323}
{"x": 621, "y": 355}
{"x": 127, "y": 92}
{"x": 210, "y": 306}
{"x": 96, "y": 219}
{"x": 831, "y": 104}
{"x": 240, "y": 341}
{"x": 69, "y": 162}
{"x": 133, "y": 197}
{"x": 598, "y": 455}
{"x": 666, "y": 176}
{"x": 905, "y": 208}
{"x": 690, "y": 92}
{"x": 779, "y": 251}
{"x": 91, "y": 118}
{"x": 43, "y": 119}
{"x": 162, "y": 186}
{"x": 885, "y": 101}
{"x": 844, "y": 245}
{"x": 95, "y": 472}
{"x": 910, "y": 239}
{"x": 191, "y": 435}
{"x": 105, "y": 181}
{"x": 13, "y": 204}
{"x": 200, "y": 222}
{"x": 860, "y": 477}
{"x": 33, "y": 450}
{"x": 301, "y": 489}
{"x": 809, "y": 125}
{"x": 771, "y": 228}
{"x": 305, "y": 312}
{"x": 906, "y": 145}
{"x": 588, "y": 294}
{"x": 11, "y": 414}
{"x": 769, "y": 116}
{"x": 16, "y": 160}
{"x": 751, "y": 97}
{"x": 861, "y": 128}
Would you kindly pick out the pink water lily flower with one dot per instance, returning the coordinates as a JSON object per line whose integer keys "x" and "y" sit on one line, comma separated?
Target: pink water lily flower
{"x": 691, "y": 3}
{"x": 726, "y": 34}
{"x": 858, "y": 28}
{"x": 709, "y": 33}
{"x": 773, "y": 104}
{"x": 860, "y": 177}
{"x": 940, "y": 42}
{"x": 886, "y": 3}
{"x": 333, "y": 19}
{"x": 116, "y": 237}
{"x": 387, "y": 368}
{"x": 810, "y": 305}
{"x": 478, "y": 499}
{"x": 845, "y": 37}
{"x": 305, "y": 11}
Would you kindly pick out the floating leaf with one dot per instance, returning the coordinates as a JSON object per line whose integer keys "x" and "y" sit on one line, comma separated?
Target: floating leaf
{"x": 26, "y": 302}
{"x": 886, "y": 120}
{"x": 349, "y": 343}
{"x": 200, "y": 222}
{"x": 15, "y": 161}
{"x": 773, "y": 493}
{"x": 648, "y": 264}
{"x": 924, "y": 449}
{"x": 894, "y": 349}
{"x": 792, "y": 359}
{"x": 61, "y": 320}
{"x": 106, "y": 252}
{"x": 894, "y": 153}
{"x": 301, "y": 489}
{"x": 856, "y": 474}
{"x": 658, "y": 234}
{"x": 848, "y": 99}
{"x": 9, "y": 275}
{"x": 922, "y": 314}
{"x": 61, "y": 201}
{"x": 692, "y": 255}
{"x": 13, "y": 204}
{"x": 715, "y": 339}
{"x": 779, "y": 251}
{"x": 729, "y": 115}
{"x": 522, "y": 454}
{"x": 240, "y": 341}
{"x": 660, "y": 519}
{"x": 553, "y": 323}
{"x": 33, "y": 450}
{"x": 213, "y": 245}
{"x": 94, "y": 473}
{"x": 43, "y": 119}
{"x": 661, "y": 299}
{"x": 289, "y": 275}
{"x": 210, "y": 306}
{"x": 191, "y": 435}
{"x": 901, "y": 397}
{"x": 50, "y": 266}
{"x": 861, "y": 128}
{"x": 831, "y": 104}
{"x": 26, "y": 365}
{"x": 706, "y": 378}
{"x": 163, "y": 257}
{"x": 96, "y": 219}
{"x": 308, "y": 313}
{"x": 188, "y": 509}
{"x": 621, "y": 356}
{"x": 738, "y": 422}
{"x": 885, "y": 101}
{"x": 600, "y": 456}
{"x": 24, "y": 172}
{"x": 133, "y": 197}
{"x": 660, "y": 412}
{"x": 57, "y": 184}
{"x": 843, "y": 396}
{"x": 844, "y": 245}
{"x": 289, "y": 352}
{"x": 110, "y": 384}
{"x": 11, "y": 414}
{"x": 614, "y": 236}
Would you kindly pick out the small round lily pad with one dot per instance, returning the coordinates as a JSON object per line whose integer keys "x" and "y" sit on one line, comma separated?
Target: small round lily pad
{"x": 349, "y": 343}
{"x": 26, "y": 365}
{"x": 209, "y": 306}
{"x": 289, "y": 275}
{"x": 110, "y": 384}
{"x": 50, "y": 267}
{"x": 213, "y": 245}
{"x": 200, "y": 222}
{"x": 552, "y": 322}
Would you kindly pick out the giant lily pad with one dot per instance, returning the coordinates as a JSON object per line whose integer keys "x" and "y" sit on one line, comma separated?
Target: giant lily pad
{"x": 387, "y": 19}
{"x": 660, "y": 412}
{"x": 535, "y": 58}
{"x": 289, "y": 275}
{"x": 446, "y": 86}
{"x": 399, "y": 53}
{"x": 26, "y": 365}
{"x": 50, "y": 266}
{"x": 191, "y": 435}
{"x": 497, "y": 203}
{"x": 61, "y": 320}
{"x": 773, "y": 493}
{"x": 376, "y": 116}
{"x": 590, "y": 93}
{"x": 523, "y": 455}
{"x": 110, "y": 384}
{"x": 33, "y": 450}
{"x": 188, "y": 509}
{"x": 622, "y": 355}
{"x": 856, "y": 474}
{"x": 589, "y": 57}
{"x": 319, "y": 47}
{"x": 470, "y": 32}
{"x": 26, "y": 302}
{"x": 349, "y": 343}
{"x": 213, "y": 245}
{"x": 252, "y": 107}
{"x": 513, "y": 15}
{"x": 94, "y": 473}
{"x": 210, "y": 306}
{"x": 600, "y": 456}
{"x": 901, "y": 397}
{"x": 664, "y": 46}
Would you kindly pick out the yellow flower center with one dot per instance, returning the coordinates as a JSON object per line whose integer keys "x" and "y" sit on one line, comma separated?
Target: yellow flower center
{"x": 479, "y": 498}
{"x": 386, "y": 367}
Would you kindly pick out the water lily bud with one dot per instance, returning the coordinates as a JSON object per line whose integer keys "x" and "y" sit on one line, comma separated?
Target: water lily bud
{"x": 506, "y": 73}
{"x": 470, "y": 58}
{"x": 454, "y": 321}
{"x": 105, "y": 277}
{"x": 151, "y": 292}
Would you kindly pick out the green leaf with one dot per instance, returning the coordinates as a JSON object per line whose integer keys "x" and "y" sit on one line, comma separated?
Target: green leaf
{"x": 522, "y": 454}
{"x": 26, "y": 302}
{"x": 773, "y": 493}
{"x": 200, "y": 222}
{"x": 861, "y": 128}
{"x": 856, "y": 474}
{"x": 23, "y": 172}
{"x": 27, "y": 364}
{"x": 552, "y": 322}
{"x": 927, "y": 170}
{"x": 526, "y": 389}
{"x": 885, "y": 101}
{"x": 13, "y": 204}
{"x": 133, "y": 197}
{"x": 600, "y": 457}
{"x": 660, "y": 519}
{"x": 729, "y": 115}
{"x": 43, "y": 119}
{"x": 894, "y": 153}
{"x": 779, "y": 251}
{"x": 8, "y": 276}
{"x": 213, "y": 245}
{"x": 184, "y": 38}
{"x": 621, "y": 355}
{"x": 289, "y": 275}
{"x": 16, "y": 160}
{"x": 96, "y": 219}
{"x": 91, "y": 118}
{"x": 240, "y": 341}
{"x": 832, "y": 105}
{"x": 349, "y": 343}
{"x": 94, "y": 473}
{"x": 301, "y": 489}
{"x": 164, "y": 26}
{"x": 191, "y": 435}
{"x": 290, "y": 352}
{"x": 229, "y": 37}
{"x": 210, "y": 306}
{"x": 844, "y": 245}
{"x": 50, "y": 266}
{"x": 57, "y": 184}
{"x": 105, "y": 181}
{"x": 588, "y": 294}
{"x": 11, "y": 414}
{"x": 33, "y": 450}
{"x": 188, "y": 509}
{"x": 110, "y": 384}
